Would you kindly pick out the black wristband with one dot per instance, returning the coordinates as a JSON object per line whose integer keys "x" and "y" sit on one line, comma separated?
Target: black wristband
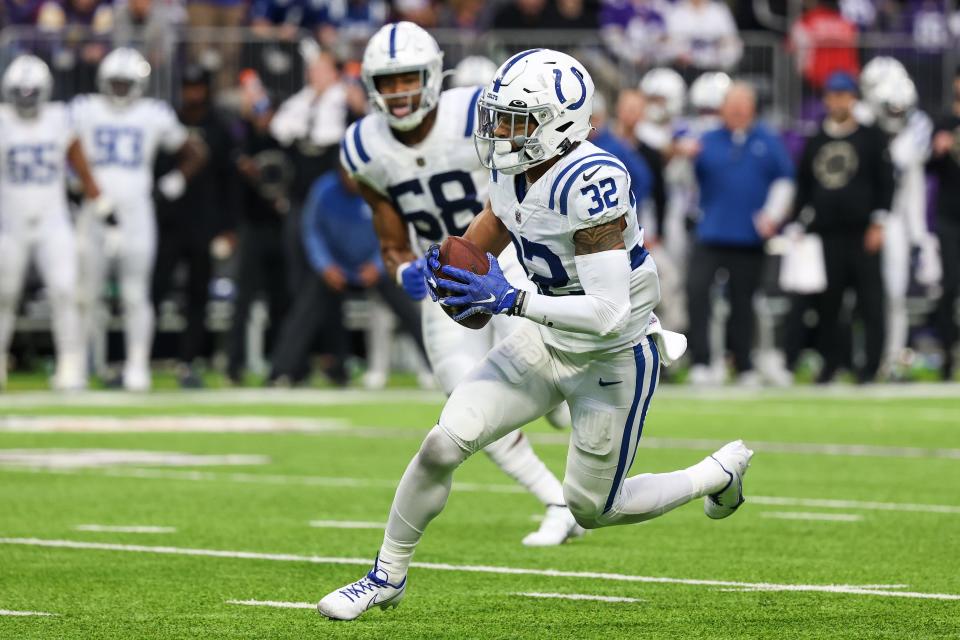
{"x": 517, "y": 308}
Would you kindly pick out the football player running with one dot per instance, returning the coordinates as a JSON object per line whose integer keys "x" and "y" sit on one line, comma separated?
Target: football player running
{"x": 122, "y": 131}
{"x": 37, "y": 145}
{"x": 567, "y": 206}
{"x": 414, "y": 160}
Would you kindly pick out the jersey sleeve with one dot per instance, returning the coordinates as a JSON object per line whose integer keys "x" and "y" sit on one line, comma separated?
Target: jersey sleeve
{"x": 595, "y": 192}
{"x": 172, "y": 134}
{"x": 355, "y": 149}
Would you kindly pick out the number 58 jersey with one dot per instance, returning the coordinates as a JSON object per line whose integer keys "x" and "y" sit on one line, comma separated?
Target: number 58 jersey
{"x": 121, "y": 143}
{"x": 587, "y": 187}
{"x": 438, "y": 185}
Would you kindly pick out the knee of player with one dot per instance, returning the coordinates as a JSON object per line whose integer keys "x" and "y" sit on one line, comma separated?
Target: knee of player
{"x": 440, "y": 451}
{"x": 586, "y": 509}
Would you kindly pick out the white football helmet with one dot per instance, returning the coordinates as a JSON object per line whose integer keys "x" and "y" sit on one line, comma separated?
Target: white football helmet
{"x": 537, "y": 107}
{"x": 665, "y": 91}
{"x": 123, "y": 75}
{"x": 27, "y": 85}
{"x": 894, "y": 99}
{"x": 403, "y": 47}
{"x": 708, "y": 91}
{"x": 473, "y": 71}
{"x": 878, "y": 70}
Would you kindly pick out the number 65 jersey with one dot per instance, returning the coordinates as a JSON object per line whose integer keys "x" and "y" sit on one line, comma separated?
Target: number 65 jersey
{"x": 438, "y": 185}
{"x": 121, "y": 144}
{"x": 586, "y": 188}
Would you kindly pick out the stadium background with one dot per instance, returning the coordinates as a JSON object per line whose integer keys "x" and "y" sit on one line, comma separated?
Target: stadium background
{"x": 776, "y": 46}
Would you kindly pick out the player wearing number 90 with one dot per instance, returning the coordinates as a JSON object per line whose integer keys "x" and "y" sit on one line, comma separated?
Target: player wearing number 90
{"x": 37, "y": 141}
{"x": 121, "y": 132}
{"x": 566, "y": 205}
{"x": 414, "y": 160}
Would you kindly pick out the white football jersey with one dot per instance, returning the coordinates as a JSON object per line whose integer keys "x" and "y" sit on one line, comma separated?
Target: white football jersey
{"x": 909, "y": 151}
{"x": 586, "y": 188}
{"x": 33, "y": 157}
{"x": 438, "y": 185}
{"x": 121, "y": 143}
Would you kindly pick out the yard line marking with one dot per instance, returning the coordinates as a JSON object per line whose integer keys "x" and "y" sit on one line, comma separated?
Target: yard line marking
{"x": 346, "y": 524}
{"x": 79, "y": 458}
{"x": 275, "y": 603}
{"x": 8, "y": 612}
{"x": 108, "y": 528}
{"x": 480, "y": 487}
{"x": 501, "y": 570}
{"x": 166, "y": 424}
{"x": 575, "y": 596}
{"x": 854, "y": 504}
{"x": 806, "y": 515}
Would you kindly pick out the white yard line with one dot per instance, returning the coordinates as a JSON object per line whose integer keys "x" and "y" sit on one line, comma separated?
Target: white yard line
{"x": 345, "y": 524}
{"x": 575, "y": 596}
{"x": 109, "y": 528}
{"x": 551, "y": 573}
{"x": 805, "y": 515}
{"x": 166, "y": 424}
{"x": 8, "y": 612}
{"x": 275, "y": 603}
{"x": 479, "y": 487}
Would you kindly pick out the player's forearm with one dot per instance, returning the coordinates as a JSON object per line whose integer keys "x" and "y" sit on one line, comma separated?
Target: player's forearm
{"x": 487, "y": 232}
{"x": 394, "y": 258}
{"x": 605, "y": 305}
{"x": 78, "y": 161}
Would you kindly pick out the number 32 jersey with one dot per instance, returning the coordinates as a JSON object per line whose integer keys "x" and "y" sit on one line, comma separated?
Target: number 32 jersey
{"x": 586, "y": 188}
{"x": 438, "y": 185}
{"x": 121, "y": 143}
{"x": 33, "y": 155}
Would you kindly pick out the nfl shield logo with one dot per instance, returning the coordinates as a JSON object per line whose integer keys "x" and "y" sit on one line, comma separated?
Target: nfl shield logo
{"x": 517, "y": 216}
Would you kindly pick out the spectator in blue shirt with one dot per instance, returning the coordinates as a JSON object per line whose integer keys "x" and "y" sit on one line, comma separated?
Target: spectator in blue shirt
{"x": 344, "y": 253}
{"x": 746, "y": 185}
{"x": 641, "y": 180}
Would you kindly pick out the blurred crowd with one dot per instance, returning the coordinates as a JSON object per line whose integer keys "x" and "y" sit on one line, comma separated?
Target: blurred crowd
{"x": 836, "y": 245}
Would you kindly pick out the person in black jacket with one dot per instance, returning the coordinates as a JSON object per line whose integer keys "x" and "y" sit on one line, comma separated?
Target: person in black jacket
{"x": 844, "y": 191}
{"x": 188, "y": 225}
{"x": 945, "y": 165}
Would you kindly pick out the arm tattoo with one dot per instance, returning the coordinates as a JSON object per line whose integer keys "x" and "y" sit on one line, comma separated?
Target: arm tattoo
{"x": 604, "y": 237}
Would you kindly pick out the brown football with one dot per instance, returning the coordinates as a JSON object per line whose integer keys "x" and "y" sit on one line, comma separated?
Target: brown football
{"x": 463, "y": 254}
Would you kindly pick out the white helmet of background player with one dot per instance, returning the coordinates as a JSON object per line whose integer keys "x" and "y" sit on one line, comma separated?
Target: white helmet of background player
{"x": 403, "y": 47}
{"x": 876, "y": 71}
{"x": 894, "y": 99}
{"x": 540, "y": 101}
{"x": 123, "y": 75}
{"x": 27, "y": 85}
{"x": 665, "y": 91}
{"x": 708, "y": 92}
{"x": 473, "y": 71}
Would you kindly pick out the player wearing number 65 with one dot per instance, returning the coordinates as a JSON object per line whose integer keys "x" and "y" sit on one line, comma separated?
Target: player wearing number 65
{"x": 414, "y": 161}
{"x": 593, "y": 340}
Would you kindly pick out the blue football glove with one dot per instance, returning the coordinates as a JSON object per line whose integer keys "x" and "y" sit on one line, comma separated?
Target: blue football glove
{"x": 432, "y": 260}
{"x": 413, "y": 277}
{"x": 489, "y": 293}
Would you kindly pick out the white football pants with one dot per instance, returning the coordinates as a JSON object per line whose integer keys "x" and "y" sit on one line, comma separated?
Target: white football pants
{"x": 896, "y": 280}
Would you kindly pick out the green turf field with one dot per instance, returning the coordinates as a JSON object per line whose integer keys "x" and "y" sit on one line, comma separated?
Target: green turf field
{"x": 851, "y": 529}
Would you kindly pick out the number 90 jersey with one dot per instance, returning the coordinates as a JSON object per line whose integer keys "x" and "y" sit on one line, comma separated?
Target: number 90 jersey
{"x": 33, "y": 156}
{"x": 438, "y": 185}
{"x": 586, "y": 188}
{"x": 121, "y": 143}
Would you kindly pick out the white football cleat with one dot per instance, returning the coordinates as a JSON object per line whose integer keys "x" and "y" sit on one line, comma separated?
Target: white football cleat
{"x": 351, "y": 601}
{"x": 557, "y": 527}
{"x": 733, "y": 458}
{"x": 136, "y": 378}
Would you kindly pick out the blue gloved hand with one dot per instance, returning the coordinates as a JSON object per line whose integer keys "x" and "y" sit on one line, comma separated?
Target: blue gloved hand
{"x": 412, "y": 276}
{"x": 432, "y": 263}
{"x": 489, "y": 293}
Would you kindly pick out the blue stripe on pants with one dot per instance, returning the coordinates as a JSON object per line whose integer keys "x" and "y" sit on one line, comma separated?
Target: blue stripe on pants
{"x": 622, "y": 466}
